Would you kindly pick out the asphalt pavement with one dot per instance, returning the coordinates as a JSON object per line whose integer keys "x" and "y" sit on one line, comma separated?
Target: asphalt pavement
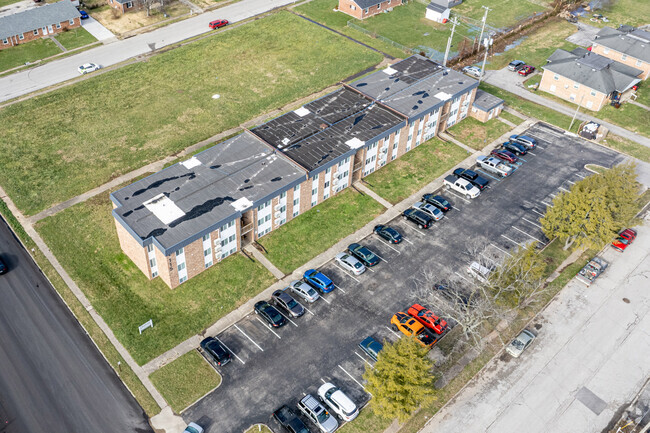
{"x": 52, "y": 377}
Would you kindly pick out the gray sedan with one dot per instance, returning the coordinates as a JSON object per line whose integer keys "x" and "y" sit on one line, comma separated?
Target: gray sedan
{"x": 350, "y": 263}
{"x": 285, "y": 301}
{"x": 520, "y": 343}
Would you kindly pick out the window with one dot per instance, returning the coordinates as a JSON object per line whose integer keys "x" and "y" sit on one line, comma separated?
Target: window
{"x": 182, "y": 279}
{"x": 5, "y": 41}
{"x": 154, "y": 274}
{"x": 36, "y": 32}
{"x": 71, "y": 22}
{"x": 365, "y": 11}
{"x": 593, "y": 93}
{"x": 149, "y": 248}
{"x": 21, "y": 37}
{"x": 556, "y": 77}
{"x": 129, "y": 5}
{"x": 353, "y": 7}
{"x": 206, "y": 237}
{"x": 267, "y": 218}
{"x": 283, "y": 195}
{"x": 227, "y": 226}
{"x": 572, "y": 97}
{"x": 152, "y": 262}
{"x": 624, "y": 57}
{"x": 208, "y": 264}
{"x": 328, "y": 170}
{"x": 296, "y": 202}
{"x": 314, "y": 191}
{"x": 181, "y": 266}
{"x": 576, "y": 85}
{"x": 296, "y": 211}
{"x": 296, "y": 188}
{"x": 207, "y": 252}
{"x": 180, "y": 252}
{"x": 589, "y": 104}
{"x": 638, "y": 63}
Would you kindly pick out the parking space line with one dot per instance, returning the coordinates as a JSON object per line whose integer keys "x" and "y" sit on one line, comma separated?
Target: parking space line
{"x": 246, "y": 335}
{"x": 325, "y": 299}
{"x": 381, "y": 258}
{"x": 385, "y": 243}
{"x": 530, "y": 236}
{"x": 368, "y": 269}
{"x": 580, "y": 175}
{"x": 308, "y": 310}
{"x": 489, "y": 175}
{"x": 224, "y": 345}
{"x": 572, "y": 183}
{"x": 522, "y": 159}
{"x": 547, "y": 204}
{"x": 268, "y": 327}
{"x": 563, "y": 189}
{"x": 456, "y": 208}
{"x": 323, "y": 380}
{"x": 540, "y": 214}
{"x": 539, "y": 147}
{"x": 365, "y": 360}
{"x": 463, "y": 277}
{"x": 531, "y": 153}
{"x": 530, "y": 222}
{"x": 352, "y": 377}
{"x": 346, "y": 272}
{"x": 457, "y": 196}
{"x": 487, "y": 258}
{"x": 510, "y": 239}
{"x": 406, "y": 240}
{"x": 338, "y": 287}
{"x": 392, "y": 332}
{"x": 287, "y": 317}
{"x": 503, "y": 251}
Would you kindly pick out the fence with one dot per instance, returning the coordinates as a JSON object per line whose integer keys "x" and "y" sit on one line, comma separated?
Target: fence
{"x": 382, "y": 38}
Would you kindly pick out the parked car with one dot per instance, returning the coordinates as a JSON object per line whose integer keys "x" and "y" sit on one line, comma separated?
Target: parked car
{"x": 592, "y": 270}
{"x": 193, "y": 428}
{"x": 438, "y": 201}
{"x": 363, "y": 254}
{"x": 84, "y": 14}
{"x": 288, "y": 419}
{"x": 318, "y": 280}
{"x": 526, "y": 70}
{"x": 87, "y": 68}
{"x": 3, "y": 267}
{"x": 317, "y": 414}
{"x": 371, "y": 346}
{"x": 515, "y": 65}
{"x": 473, "y": 177}
{"x": 462, "y": 186}
{"x": 504, "y": 155}
{"x": 270, "y": 314}
{"x": 520, "y": 343}
{"x": 516, "y": 148}
{"x": 388, "y": 233}
{"x": 427, "y": 318}
{"x": 217, "y": 24}
{"x": 215, "y": 350}
{"x": 624, "y": 239}
{"x": 480, "y": 272}
{"x": 494, "y": 165}
{"x": 304, "y": 290}
{"x": 418, "y": 217}
{"x": 338, "y": 402}
{"x": 474, "y": 71}
{"x": 428, "y": 209}
{"x": 350, "y": 263}
{"x": 527, "y": 141}
{"x": 285, "y": 301}
{"x": 412, "y": 328}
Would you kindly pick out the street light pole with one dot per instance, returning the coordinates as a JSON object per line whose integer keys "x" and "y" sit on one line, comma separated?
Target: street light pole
{"x": 453, "y": 28}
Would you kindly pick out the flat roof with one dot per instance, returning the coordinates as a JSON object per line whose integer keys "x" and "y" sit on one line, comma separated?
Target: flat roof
{"x": 183, "y": 202}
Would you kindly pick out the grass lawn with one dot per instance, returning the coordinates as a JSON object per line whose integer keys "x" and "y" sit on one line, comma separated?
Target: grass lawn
{"x": 476, "y": 134}
{"x": 643, "y": 95}
{"x": 402, "y": 177}
{"x": 503, "y": 13}
{"x": 125, "y": 298}
{"x": 4, "y": 3}
{"x": 259, "y": 428}
{"x": 511, "y": 117}
{"x": 632, "y": 12}
{"x": 75, "y": 38}
{"x": 27, "y": 52}
{"x": 624, "y": 145}
{"x": 185, "y": 380}
{"x": 124, "y": 23}
{"x": 628, "y": 116}
{"x": 536, "y": 47}
{"x": 319, "y": 228}
{"x": 61, "y": 144}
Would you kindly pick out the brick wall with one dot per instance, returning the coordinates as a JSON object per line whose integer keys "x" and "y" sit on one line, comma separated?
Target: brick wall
{"x": 30, "y": 36}
{"x": 626, "y": 60}
{"x": 351, "y": 8}
{"x": 565, "y": 88}
{"x": 126, "y": 7}
{"x": 484, "y": 116}
{"x": 131, "y": 247}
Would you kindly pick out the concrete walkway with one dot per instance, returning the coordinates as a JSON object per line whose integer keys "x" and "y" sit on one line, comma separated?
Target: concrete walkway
{"x": 447, "y": 137}
{"x": 57, "y": 43}
{"x": 505, "y": 79}
{"x": 264, "y": 261}
{"x": 362, "y": 186}
{"x": 506, "y": 121}
{"x": 638, "y": 104}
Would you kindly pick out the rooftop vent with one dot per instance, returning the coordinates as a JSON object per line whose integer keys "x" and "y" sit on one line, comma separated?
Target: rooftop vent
{"x": 164, "y": 209}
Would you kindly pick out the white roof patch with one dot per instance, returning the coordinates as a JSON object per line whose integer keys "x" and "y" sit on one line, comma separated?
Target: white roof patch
{"x": 442, "y": 96}
{"x": 302, "y": 111}
{"x": 242, "y": 204}
{"x": 191, "y": 163}
{"x": 164, "y": 209}
{"x": 355, "y": 143}
{"x": 389, "y": 71}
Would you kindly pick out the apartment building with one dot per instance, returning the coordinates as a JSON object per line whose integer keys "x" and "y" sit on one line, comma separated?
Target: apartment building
{"x": 626, "y": 45}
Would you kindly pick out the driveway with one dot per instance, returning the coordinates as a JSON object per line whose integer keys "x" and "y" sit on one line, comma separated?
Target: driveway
{"x": 64, "y": 69}
{"x": 95, "y": 28}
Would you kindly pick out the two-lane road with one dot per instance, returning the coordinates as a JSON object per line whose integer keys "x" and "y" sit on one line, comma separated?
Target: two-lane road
{"x": 52, "y": 377}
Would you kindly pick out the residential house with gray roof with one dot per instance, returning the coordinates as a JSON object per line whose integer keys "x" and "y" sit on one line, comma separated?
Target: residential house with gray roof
{"x": 626, "y": 45}
{"x": 361, "y": 9}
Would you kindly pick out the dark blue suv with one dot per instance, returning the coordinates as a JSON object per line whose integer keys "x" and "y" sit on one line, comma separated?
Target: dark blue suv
{"x": 318, "y": 280}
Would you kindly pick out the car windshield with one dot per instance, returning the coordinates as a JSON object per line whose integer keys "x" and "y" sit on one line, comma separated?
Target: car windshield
{"x": 623, "y": 241}
{"x": 442, "y": 201}
{"x": 518, "y": 344}
{"x": 273, "y": 314}
{"x": 357, "y": 265}
{"x": 322, "y": 416}
{"x": 191, "y": 429}
{"x": 292, "y": 303}
{"x": 392, "y": 232}
{"x": 311, "y": 292}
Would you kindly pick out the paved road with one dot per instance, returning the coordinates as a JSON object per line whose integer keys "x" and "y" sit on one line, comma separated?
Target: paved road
{"x": 64, "y": 69}
{"x": 52, "y": 378}
{"x": 589, "y": 360}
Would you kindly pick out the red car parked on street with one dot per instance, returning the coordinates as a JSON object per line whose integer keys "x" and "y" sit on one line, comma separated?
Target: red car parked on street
{"x": 505, "y": 155}
{"x": 217, "y": 24}
{"x": 624, "y": 239}
{"x": 526, "y": 70}
{"x": 427, "y": 318}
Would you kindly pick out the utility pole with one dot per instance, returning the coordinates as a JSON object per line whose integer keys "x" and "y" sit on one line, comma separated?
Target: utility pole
{"x": 454, "y": 21}
{"x": 576, "y": 113}
{"x": 480, "y": 39}
{"x": 487, "y": 43}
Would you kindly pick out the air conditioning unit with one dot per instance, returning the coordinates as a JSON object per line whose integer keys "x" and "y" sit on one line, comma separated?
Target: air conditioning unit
{"x": 278, "y": 214}
{"x": 217, "y": 241}
{"x": 277, "y": 207}
{"x": 217, "y": 249}
{"x": 277, "y": 221}
{"x": 335, "y": 181}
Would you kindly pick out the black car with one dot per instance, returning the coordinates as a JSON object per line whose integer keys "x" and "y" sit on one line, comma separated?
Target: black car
{"x": 516, "y": 148}
{"x": 3, "y": 267}
{"x": 289, "y": 420}
{"x": 418, "y": 217}
{"x": 473, "y": 177}
{"x": 270, "y": 314}
{"x": 438, "y": 201}
{"x": 363, "y": 254}
{"x": 217, "y": 351}
{"x": 388, "y": 233}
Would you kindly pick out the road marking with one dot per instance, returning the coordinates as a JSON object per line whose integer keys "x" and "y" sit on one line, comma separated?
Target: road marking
{"x": 323, "y": 380}
{"x": 325, "y": 299}
{"x": 487, "y": 258}
{"x": 251, "y": 340}
{"x": 365, "y": 360}
{"x": 339, "y": 288}
{"x": 308, "y": 310}
{"x": 572, "y": 183}
{"x": 406, "y": 240}
{"x": 510, "y": 239}
{"x": 368, "y": 269}
{"x": 392, "y": 332}
{"x": 547, "y": 204}
{"x": 287, "y": 317}
{"x": 530, "y": 236}
{"x": 462, "y": 277}
{"x": 503, "y": 251}
{"x": 414, "y": 228}
{"x": 540, "y": 214}
{"x": 229, "y": 350}
{"x": 268, "y": 327}
{"x": 346, "y": 272}
{"x": 530, "y": 222}
{"x": 531, "y": 153}
{"x": 456, "y": 208}
{"x": 352, "y": 377}
{"x": 489, "y": 175}
{"x": 381, "y": 258}
{"x": 564, "y": 189}
{"x": 388, "y": 245}
{"x": 454, "y": 194}
{"x": 580, "y": 175}
{"x": 522, "y": 159}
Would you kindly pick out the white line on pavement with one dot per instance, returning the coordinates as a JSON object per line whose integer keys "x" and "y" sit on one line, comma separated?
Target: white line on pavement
{"x": 457, "y": 196}
{"x": 564, "y": 189}
{"x": 287, "y": 317}
{"x": 381, "y": 258}
{"x": 246, "y": 335}
{"x": 392, "y": 332}
{"x": 580, "y": 175}
{"x": 531, "y": 153}
{"x": 406, "y": 240}
{"x": 346, "y": 272}
{"x": 364, "y": 360}
{"x": 530, "y": 236}
{"x": 388, "y": 245}
{"x": 229, "y": 350}
{"x": 538, "y": 213}
{"x": 267, "y": 327}
{"x": 308, "y": 310}
{"x": 323, "y": 380}
{"x": 325, "y": 299}
{"x": 352, "y": 377}
{"x": 503, "y": 251}
{"x": 462, "y": 277}
{"x": 530, "y": 222}
{"x": 516, "y": 243}
{"x": 572, "y": 183}
{"x": 339, "y": 287}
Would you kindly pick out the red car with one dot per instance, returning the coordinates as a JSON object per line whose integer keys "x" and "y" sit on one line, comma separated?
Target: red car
{"x": 427, "y": 318}
{"x": 526, "y": 70}
{"x": 217, "y": 24}
{"x": 504, "y": 155}
{"x": 624, "y": 239}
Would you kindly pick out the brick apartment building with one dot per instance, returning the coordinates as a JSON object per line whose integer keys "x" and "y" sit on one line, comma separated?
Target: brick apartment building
{"x": 587, "y": 78}
{"x": 180, "y": 221}
{"x": 38, "y": 22}
{"x": 486, "y": 106}
{"x": 124, "y": 5}
{"x": 625, "y": 45}
{"x": 361, "y": 9}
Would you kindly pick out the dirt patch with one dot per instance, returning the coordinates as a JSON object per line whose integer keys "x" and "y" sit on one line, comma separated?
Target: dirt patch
{"x": 124, "y": 23}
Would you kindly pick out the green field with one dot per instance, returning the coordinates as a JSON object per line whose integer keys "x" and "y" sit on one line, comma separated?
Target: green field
{"x": 185, "y": 380}
{"x": 511, "y": 117}
{"x": 84, "y": 240}
{"x": 75, "y": 38}
{"x": 4, "y": 3}
{"x": 476, "y": 134}
{"x": 632, "y": 12}
{"x": 27, "y": 52}
{"x": 314, "y": 231}
{"x": 404, "y": 176}
{"x": 66, "y": 142}
{"x": 503, "y": 13}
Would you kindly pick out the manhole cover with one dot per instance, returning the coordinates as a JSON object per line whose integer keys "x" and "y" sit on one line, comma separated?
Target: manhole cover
{"x": 627, "y": 301}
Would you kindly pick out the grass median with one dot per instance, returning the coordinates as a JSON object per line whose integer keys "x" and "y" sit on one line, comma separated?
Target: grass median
{"x": 511, "y": 117}
{"x": 185, "y": 380}
{"x": 70, "y": 140}
{"x": 477, "y": 134}
{"x": 314, "y": 231}
{"x": 28, "y": 52}
{"x": 404, "y": 176}
{"x": 84, "y": 240}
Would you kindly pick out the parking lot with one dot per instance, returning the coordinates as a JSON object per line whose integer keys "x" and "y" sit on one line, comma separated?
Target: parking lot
{"x": 272, "y": 367}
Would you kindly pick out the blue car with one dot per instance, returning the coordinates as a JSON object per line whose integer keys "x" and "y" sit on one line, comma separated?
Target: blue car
{"x": 318, "y": 280}
{"x": 84, "y": 15}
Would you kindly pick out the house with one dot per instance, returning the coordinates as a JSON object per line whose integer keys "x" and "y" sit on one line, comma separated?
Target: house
{"x": 123, "y": 5}
{"x": 37, "y": 22}
{"x": 486, "y": 106}
{"x": 626, "y": 45}
{"x": 589, "y": 79}
{"x": 439, "y": 10}
{"x": 361, "y": 9}
{"x": 186, "y": 218}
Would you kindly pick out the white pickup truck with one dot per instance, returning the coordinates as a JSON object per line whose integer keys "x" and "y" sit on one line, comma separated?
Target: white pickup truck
{"x": 494, "y": 165}
{"x": 461, "y": 186}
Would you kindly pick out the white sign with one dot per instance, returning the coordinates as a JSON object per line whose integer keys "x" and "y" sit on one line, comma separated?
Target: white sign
{"x": 146, "y": 325}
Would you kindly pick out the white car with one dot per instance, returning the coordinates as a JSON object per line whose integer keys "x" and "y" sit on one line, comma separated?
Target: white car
{"x": 429, "y": 209}
{"x": 350, "y": 263}
{"x": 304, "y": 290}
{"x": 480, "y": 272}
{"x": 193, "y": 428}
{"x": 474, "y": 71}
{"x": 520, "y": 343}
{"x": 88, "y": 67}
{"x": 338, "y": 402}
{"x": 494, "y": 165}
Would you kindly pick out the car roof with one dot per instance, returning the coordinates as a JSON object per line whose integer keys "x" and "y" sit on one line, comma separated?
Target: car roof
{"x": 525, "y": 336}
{"x": 346, "y": 404}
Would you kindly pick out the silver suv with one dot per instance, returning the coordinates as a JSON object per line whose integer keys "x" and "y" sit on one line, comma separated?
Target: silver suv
{"x": 317, "y": 414}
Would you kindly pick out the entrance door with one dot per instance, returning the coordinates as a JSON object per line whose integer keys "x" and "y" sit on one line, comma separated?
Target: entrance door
{"x": 44, "y": 31}
{"x": 51, "y": 30}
